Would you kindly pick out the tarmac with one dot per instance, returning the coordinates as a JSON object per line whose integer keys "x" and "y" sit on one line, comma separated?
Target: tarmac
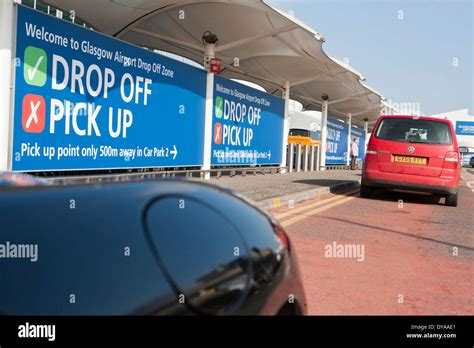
{"x": 396, "y": 253}
{"x": 278, "y": 190}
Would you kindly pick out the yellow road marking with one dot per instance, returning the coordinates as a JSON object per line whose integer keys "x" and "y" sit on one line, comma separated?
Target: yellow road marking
{"x": 316, "y": 211}
{"x": 312, "y": 205}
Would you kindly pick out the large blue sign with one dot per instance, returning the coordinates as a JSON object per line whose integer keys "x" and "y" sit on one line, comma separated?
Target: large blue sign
{"x": 337, "y": 133}
{"x": 359, "y": 135}
{"x": 247, "y": 125}
{"x": 84, "y": 100}
{"x": 464, "y": 128}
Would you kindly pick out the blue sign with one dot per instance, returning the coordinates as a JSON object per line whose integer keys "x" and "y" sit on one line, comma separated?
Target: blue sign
{"x": 466, "y": 158}
{"x": 84, "y": 100}
{"x": 247, "y": 125}
{"x": 337, "y": 133}
{"x": 359, "y": 135}
{"x": 464, "y": 128}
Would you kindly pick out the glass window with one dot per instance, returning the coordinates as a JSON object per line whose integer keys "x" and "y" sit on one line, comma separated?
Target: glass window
{"x": 299, "y": 132}
{"x": 411, "y": 130}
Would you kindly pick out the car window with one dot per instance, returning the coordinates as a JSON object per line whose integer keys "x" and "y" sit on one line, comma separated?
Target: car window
{"x": 299, "y": 132}
{"x": 414, "y": 131}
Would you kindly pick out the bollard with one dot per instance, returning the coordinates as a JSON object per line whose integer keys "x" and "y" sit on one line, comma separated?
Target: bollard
{"x": 291, "y": 158}
{"x": 318, "y": 153}
{"x": 311, "y": 158}
{"x": 305, "y": 158}
{"x": 298, "y": 158}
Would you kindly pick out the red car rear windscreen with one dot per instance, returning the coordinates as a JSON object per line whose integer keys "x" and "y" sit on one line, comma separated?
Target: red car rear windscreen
{"x": 411, "y": 130}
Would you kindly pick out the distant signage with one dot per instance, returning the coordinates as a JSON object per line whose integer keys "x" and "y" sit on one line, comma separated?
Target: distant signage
{"x": 215, "y": 65}
{"x": 247, "y": 125}
{"x": 466, "y": 158}
{"x": 336, "y": 141}
{"x": 358, "y": 134}
{"x": 464, "y": 128}
{"x": 84, "y": 100}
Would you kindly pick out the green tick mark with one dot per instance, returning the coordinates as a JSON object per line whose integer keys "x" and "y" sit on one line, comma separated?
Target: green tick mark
{"x": 35, "y": 66}
{"x": 219, "y": 105}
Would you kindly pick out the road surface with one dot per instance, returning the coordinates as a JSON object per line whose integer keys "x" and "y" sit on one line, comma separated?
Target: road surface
{"x": 397, "y": 253}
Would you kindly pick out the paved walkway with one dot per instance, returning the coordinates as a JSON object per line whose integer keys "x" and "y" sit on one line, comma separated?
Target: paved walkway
{"x": 262, "y": 187}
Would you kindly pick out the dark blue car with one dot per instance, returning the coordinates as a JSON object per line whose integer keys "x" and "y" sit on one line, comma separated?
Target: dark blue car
{"x": 161, "y": 247}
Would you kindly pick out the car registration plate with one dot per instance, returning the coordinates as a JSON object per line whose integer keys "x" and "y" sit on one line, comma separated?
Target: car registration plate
{"x": 410, "y": 159}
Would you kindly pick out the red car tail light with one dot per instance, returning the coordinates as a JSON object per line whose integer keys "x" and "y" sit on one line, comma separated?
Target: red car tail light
{"x": 371, "y": 153}
{"x": 451, "y": 160}
{"x": 280, "y": 232}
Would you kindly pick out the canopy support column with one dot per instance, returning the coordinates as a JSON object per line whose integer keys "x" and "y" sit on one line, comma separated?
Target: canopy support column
{"x": 284, "y": 156}
{"x": 324, "y": 128}
{"x": 366, "y": 130}
{"x": 349, "y": 138}
{"x": 206, "y": 164}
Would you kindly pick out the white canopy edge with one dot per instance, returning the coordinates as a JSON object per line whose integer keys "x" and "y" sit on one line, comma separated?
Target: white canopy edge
{"x": 272, "y": 46}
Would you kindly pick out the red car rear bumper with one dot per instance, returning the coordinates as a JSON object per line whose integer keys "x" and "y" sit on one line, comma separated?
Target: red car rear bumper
{"x": 447, "y": 185}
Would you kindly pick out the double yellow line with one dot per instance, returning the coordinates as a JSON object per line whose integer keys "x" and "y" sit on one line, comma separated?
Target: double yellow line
{"x": 314, "y": 208}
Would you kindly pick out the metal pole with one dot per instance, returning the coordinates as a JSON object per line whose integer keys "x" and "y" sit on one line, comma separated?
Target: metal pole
{"x": 349, "y": 138}
{"x": 209, "y": 52}
{"x": 318, "y": 155}
{"x": 305, "y": 158}
{"x": 298, "y": 157}
{"x": 208, "y": 126}
{"x": 286, "y": 96}
{"x": 324, "y": 128}
{"x": 7, "y": 56}
{"x": 291, "y": 156}
{"x": 366, "y": 130}
{"x": 311, "y": 158}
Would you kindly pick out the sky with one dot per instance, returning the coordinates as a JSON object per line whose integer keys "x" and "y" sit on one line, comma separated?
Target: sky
{"x": 414, "y": 52}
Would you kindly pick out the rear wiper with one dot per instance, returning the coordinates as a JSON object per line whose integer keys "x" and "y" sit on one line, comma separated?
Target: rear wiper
{"x": 419, "y": 141}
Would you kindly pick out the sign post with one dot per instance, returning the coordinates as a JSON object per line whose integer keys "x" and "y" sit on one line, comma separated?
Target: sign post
{"x": 286, "y": 126}
{"x": 206, "y": 166}
{"x": 349, "y": 137}
{"x": 324, "y": 133}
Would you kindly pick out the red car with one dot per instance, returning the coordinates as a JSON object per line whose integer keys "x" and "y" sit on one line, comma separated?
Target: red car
{"x": 413, "y": 153}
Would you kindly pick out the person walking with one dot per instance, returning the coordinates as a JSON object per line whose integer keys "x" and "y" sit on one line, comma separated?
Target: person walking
{"x": 354, "y": 153}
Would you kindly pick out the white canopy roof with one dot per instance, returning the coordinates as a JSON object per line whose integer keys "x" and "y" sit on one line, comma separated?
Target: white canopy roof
{"x": 271, "y": 46}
